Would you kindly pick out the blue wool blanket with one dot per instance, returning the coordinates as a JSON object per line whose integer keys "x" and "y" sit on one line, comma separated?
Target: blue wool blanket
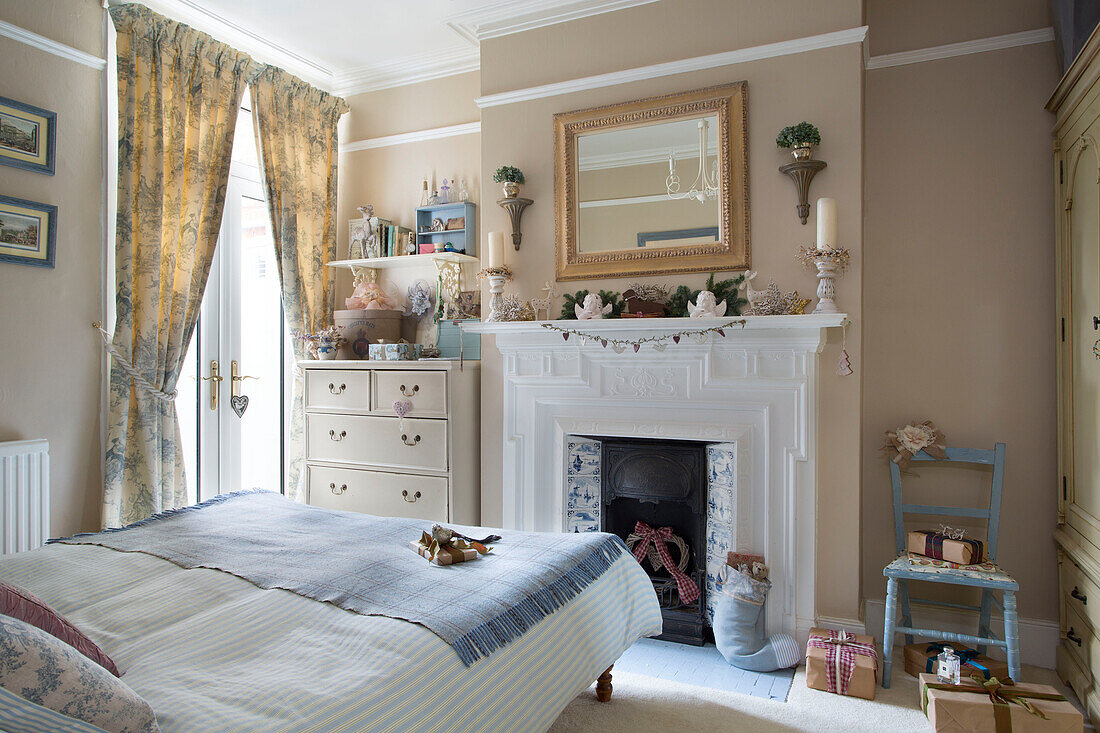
{"x": 363, "y": 564}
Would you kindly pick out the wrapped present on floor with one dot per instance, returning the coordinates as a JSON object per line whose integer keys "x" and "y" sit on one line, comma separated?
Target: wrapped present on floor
{"x": 983, "y": 567}
{"x": 989, "y": 706}
{"x": 921, "y": 658}
{"x": 951, "y": 546}
{"x": 844, "y": 663}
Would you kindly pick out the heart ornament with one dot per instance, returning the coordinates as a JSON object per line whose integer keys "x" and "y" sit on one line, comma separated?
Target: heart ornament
{"x": 239, "y": 403}
{"x": 402, "y": 408}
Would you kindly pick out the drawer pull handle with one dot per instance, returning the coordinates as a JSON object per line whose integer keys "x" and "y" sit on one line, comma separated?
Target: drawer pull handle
{"x": 343, "y": 488}
{"x": 405, "y": 439}
{"x": 336, "y": 390}
{"x": 337, "y": 437}
{"x": 405, "y": 496}
{"x": 1079, "y": 596}
{"x": 1073, "y": 637}
{"x": 415, "y": 389}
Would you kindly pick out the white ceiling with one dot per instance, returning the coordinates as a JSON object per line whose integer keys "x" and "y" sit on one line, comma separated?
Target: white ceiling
{"x": 353, "y": 46}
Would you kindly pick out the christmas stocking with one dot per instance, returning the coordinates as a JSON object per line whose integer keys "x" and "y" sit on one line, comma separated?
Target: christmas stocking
{"x": 739, "y": 626}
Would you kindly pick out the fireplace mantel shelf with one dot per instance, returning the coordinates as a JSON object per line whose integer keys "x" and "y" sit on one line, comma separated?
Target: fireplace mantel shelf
{"x": 647, "y": 326}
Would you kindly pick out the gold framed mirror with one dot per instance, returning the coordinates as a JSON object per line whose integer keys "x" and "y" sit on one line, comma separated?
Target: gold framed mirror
{"x": 653, "y": 187}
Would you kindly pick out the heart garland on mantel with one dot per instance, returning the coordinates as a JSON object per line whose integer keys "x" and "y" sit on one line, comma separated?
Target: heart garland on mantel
{"x": 239, "y": 403}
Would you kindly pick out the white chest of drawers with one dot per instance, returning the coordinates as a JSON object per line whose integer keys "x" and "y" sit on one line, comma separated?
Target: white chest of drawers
{"x": 361, "y": 457}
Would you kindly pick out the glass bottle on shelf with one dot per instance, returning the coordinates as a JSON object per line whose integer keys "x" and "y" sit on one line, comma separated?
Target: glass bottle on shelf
{"x": 434, "y": 199}
{"x": 463, "y": 194}
{"x": 445, "y": 192}
{"x": 424, "y": 195}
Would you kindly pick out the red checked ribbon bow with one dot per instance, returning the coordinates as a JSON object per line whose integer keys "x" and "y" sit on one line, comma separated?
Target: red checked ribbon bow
{"x": 841, "y": 649}
{"x": 689, "y": 591}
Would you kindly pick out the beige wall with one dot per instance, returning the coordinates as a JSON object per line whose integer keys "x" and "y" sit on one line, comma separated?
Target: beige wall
{"x": 824, "y": 86}
{"x": 903, "y": 25}
{"x": 958, "y": 277}
{"x": 50, "y": 362}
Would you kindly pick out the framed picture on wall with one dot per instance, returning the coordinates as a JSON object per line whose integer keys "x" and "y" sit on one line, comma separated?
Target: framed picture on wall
{"x": 28, "y": 232}
{"x": 27, "y": 136}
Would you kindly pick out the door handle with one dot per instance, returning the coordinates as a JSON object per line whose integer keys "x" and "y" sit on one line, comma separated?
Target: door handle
{"x": 235, "y": 378}
{"x": 215, "y": 378}
{"x": 405, "y": 439}
{"x": 415, "y": 389}
{"x": 333, "y": 489}
{"x": 405, "y": 496}
{"x": 1076, "y": 593}
{"x": 1096, "y": 323}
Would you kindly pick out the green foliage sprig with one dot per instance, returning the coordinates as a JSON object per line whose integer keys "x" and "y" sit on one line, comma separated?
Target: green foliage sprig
{"x": 508, "y": 174}
{"x": 568, "y": 308}
{"x": 726, "y": 290}
{"x": 798, "y": 135}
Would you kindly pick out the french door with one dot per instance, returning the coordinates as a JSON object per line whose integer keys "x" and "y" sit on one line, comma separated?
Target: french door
{"x": 235, "y": 391}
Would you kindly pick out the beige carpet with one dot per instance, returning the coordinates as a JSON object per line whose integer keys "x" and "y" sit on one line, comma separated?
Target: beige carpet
{"x": 647, "y": 704}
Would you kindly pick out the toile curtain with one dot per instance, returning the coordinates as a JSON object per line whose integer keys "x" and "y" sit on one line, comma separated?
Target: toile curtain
{"x": 178, "y": 95}
{"x": 296, "y": 126}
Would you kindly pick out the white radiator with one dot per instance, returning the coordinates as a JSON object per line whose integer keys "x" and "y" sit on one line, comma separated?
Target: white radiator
{"x": 24, "y": 495}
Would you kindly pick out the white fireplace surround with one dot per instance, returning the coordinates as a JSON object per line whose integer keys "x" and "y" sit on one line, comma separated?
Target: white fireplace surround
{"x": 754, "y": 387}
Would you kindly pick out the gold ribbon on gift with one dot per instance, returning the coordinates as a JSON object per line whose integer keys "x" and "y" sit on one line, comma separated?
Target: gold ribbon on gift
{"x": 456, "y": 543}
{"x": 907, "y": 441}
{"x": 1000, "y": 694}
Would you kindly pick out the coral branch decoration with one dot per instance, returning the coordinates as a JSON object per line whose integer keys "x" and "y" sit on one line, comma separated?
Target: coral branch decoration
{"x": 660, "y": 343}
{"x": 772, "y": 302}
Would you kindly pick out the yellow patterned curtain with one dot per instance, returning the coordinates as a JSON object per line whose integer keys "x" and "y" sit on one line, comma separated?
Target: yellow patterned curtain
{"x": 178, "y": 95}
{"x": 296, "y": 128}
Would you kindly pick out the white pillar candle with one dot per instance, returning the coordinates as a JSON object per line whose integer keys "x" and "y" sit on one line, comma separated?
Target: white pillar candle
{"x": 826, "y": 223}
{"x": 496, "y": 249}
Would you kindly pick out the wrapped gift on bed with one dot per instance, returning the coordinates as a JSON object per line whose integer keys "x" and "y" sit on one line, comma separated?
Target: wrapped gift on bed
{"x": 988, "y": 706}
{"x": 940, "y": 546}
{"x": 450, "y": 554}
{"x": 921, "y": 658}
{"x": 844, "y": 663}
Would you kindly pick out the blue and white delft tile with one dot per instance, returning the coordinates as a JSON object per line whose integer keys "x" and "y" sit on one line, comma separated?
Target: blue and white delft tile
{"x": 582, "y": 479}
{"x": 583, "y": 457}
{"x": 584, "y": 491}
{"x": 585, "y": 527}
{"x": 721, "y": 485}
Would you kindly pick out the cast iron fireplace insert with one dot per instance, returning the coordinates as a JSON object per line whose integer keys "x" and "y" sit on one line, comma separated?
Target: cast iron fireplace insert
{"x": 664, "y": 484}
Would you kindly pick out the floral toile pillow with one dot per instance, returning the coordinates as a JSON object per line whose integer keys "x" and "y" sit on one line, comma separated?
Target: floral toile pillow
{"x": 44, "y": 670}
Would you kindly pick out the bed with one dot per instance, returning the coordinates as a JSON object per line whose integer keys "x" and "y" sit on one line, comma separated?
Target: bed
{"x": 211, "y": 651}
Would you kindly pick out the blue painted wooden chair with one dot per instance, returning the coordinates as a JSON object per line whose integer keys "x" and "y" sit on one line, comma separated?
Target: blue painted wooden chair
{"x": 900, "y": 572}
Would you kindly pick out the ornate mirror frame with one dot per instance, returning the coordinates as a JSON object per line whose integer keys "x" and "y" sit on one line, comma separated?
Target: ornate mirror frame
{"x": 731, "y": 252}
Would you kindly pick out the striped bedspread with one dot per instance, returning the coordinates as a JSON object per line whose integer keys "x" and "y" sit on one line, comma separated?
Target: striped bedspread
{"x": 212, "y": 652}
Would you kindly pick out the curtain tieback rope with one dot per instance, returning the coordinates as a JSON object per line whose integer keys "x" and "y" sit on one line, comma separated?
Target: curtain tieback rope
{"x": 127, "y": 367}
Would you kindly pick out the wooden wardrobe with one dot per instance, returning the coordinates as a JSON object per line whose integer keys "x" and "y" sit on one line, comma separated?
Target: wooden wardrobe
{"x": 1076, "y": 103}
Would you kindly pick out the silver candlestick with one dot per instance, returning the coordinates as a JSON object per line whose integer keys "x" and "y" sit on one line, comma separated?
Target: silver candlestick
{"x": 830, "y": 264}
{"x": 496, "y": 276}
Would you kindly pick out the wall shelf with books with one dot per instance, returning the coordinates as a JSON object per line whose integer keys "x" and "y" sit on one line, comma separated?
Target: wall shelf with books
{"x": 385, "y": 263}
{"x": 463, "y": 240}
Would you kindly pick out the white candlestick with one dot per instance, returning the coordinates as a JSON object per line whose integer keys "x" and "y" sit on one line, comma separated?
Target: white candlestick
{"x": 496, "y": 249}
{"x": 826, "y": 223}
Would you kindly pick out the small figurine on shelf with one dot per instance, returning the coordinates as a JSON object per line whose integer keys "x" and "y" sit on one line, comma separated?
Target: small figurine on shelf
{"x": 420, "y": 298}
{"x": 705, "y": 306}
{"x": 593, "y": 308}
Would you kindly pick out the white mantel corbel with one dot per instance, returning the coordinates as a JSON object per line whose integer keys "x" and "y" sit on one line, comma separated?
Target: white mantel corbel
{"x": 754, "y": 387}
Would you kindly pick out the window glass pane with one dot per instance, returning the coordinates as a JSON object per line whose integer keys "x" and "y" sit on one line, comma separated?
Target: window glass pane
{"x": 261, "y": 351}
